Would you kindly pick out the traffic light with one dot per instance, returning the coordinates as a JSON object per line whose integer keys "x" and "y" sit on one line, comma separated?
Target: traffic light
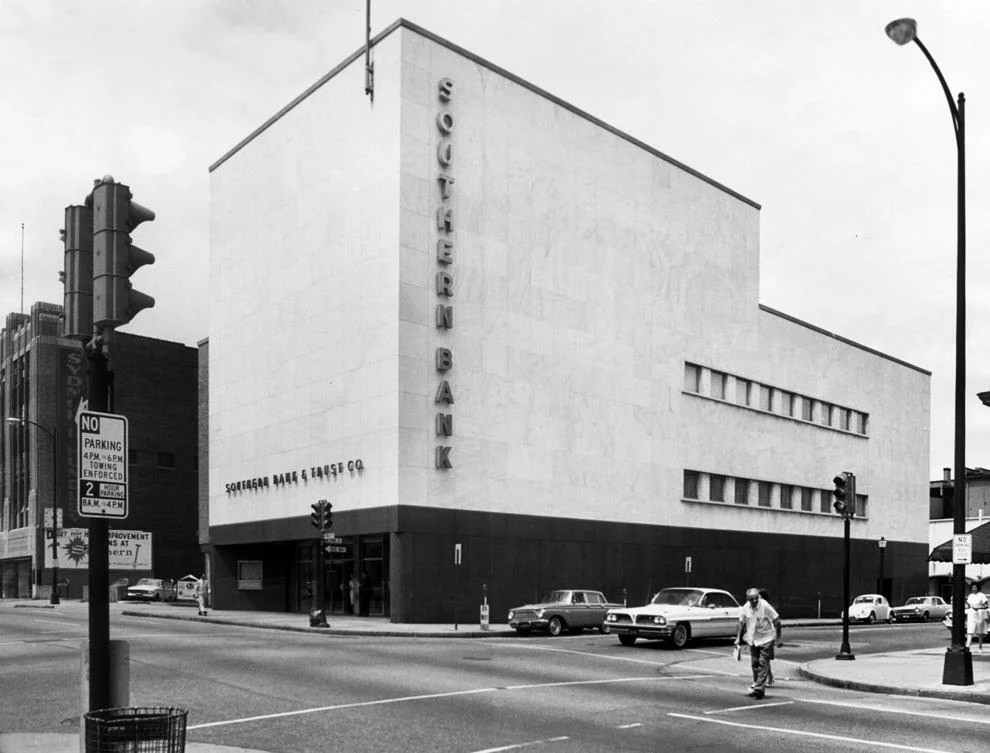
{"x": 845, "y": 494}
{"x": 327, "y": 515}
{"x": 115, "y": 259}
{"x": 316, "y": 517}
{"x": 77, "y": 275}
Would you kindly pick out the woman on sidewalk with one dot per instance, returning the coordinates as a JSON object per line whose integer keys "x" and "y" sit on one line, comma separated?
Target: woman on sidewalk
{"x": 976, "y": 616}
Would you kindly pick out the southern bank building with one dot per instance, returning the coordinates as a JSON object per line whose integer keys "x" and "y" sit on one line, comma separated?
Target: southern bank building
{"x": 517, "y": 349}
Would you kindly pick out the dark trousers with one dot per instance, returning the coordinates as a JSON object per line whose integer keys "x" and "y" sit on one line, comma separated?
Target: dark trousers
{"x": 760, "y": 657}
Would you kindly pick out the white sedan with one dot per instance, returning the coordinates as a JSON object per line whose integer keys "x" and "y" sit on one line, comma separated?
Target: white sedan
{"x": 677, "y": 615}
{"x": 870, "y": 608}
{"x": 152, "y": 589}
{"x": 922, "y": 608}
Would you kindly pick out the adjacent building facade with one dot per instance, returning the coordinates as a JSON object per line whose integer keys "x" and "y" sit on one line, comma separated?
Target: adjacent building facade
{"x": 941, "y": 507}
{"x": 517, "y": 350}
{"x": 42, "y": 380}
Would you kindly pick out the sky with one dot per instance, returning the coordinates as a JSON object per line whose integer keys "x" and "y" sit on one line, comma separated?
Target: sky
{"x": 844, "y": 139}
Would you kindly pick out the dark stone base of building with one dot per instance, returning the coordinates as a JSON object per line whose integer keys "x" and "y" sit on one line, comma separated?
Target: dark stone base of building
{"x": 417, "y": 564}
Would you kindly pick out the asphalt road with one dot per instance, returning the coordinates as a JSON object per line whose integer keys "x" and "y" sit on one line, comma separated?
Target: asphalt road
{"x": 282, "y": 691}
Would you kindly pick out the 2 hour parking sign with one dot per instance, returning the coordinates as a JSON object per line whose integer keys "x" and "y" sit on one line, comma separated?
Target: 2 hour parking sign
{"x": 102, "y": 465}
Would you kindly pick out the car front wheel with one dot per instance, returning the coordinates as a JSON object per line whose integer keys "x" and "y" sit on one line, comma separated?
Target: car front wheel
{"x": 872, "y": 618}
{"x": 680, "y": 635}
{"x": 627, "y": 640}
{"x": 555, "y": 626}
{"x": 924, "y": 617}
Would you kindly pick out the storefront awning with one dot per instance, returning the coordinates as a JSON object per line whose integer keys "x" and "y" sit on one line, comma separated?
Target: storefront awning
{"x": 981, "y": 547}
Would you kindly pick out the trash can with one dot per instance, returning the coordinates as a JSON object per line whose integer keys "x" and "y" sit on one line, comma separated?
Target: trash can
{"x": 157, "y": 729}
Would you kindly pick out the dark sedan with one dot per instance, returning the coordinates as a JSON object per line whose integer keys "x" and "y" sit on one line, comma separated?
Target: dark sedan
{"x": 562, "y": 610}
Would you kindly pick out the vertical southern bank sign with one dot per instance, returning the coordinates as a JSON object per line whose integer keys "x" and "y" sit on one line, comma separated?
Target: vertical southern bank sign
{"x": 444, "y": 357}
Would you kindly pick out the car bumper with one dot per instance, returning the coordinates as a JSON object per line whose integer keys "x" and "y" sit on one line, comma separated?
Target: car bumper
{"x": 907, "y": 617}
{"x": 533, "y": 624}
{"x": 639, "y": 631}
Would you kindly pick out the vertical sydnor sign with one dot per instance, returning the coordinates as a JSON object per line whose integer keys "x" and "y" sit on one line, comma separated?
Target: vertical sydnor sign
{"x": 102, "y": 465}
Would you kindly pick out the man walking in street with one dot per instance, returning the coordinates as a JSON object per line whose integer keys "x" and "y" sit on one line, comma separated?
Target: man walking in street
{"x": 762, "y": 625}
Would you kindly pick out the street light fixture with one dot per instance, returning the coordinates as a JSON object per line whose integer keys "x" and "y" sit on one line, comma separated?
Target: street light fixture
{"x": 958, "y": 667}
{"x": 21, "y": 422}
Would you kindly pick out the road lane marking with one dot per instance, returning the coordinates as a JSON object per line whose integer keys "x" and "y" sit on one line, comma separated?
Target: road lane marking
{"x": 523, "y": 745}
{"x": 629, "y": 726}
{"x": 564, "y": 683}
{"x": 61, "y": 622}
{"x": 338, "y": 707}
{"x": 629, "y": 659}
{"x": 428, "y": 697}
{"x": 889, "y": 710}
{"x": 709, "y": 651}
{"x": 805, "y": 733}
{"x": 750, "y": 707}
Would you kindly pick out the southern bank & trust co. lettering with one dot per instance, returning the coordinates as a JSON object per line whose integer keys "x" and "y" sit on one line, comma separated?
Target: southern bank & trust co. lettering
{"x": 327, "y": 471}
{"x": 444, "y": 312}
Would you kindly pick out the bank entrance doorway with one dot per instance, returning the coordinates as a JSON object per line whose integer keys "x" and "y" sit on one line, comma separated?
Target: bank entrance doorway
{"x": 356, "y": 577}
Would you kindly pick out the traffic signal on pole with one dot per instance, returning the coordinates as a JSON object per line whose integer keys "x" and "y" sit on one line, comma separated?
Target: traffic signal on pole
{"x": 77, "y": 274}
{"x": 115, "y": 258}
{"x": 316, "y": 517}
{"x": 845, "y": 494}
{"x": 328, "y": 515}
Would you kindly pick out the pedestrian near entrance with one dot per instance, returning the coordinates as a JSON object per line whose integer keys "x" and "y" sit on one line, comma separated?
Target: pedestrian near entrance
{"x": 762, "y": 625}
{"x": 976, "y": 617}
{"x": 200, "y": 592}
{"x": 354, "y": 587}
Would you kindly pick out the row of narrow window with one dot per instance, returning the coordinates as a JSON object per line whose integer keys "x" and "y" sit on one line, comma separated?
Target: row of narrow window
{"x": 713, "y": 487}
{"x": 723, "y": 386}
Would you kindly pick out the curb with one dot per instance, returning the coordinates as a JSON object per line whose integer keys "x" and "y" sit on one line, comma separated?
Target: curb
{"x": 331, "y": 630}
{"x": 916, "y": 692}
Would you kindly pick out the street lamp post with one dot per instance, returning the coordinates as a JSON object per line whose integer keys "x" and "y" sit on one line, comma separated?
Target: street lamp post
{"x": 958, "y": 667}
{"x": 882, "y": 546}
{"x": 20, "y": 422}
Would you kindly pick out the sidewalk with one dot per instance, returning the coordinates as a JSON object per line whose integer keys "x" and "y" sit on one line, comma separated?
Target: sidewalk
{"x": 913, "y": 673}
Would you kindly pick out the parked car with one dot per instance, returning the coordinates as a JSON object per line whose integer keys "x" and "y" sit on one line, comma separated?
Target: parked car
{"x": 921, "y": 608}
{"x": 870, "y": 608}
{"x": 152, "y": 589}
{"x": 677, "y": 615}
{"x": 560, "y": 610}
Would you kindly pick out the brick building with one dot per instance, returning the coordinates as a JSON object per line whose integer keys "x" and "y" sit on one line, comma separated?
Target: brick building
{"x": 42, "y": 379}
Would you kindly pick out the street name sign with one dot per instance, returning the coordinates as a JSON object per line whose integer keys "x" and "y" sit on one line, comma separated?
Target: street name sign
{"x": 102, "y": 465}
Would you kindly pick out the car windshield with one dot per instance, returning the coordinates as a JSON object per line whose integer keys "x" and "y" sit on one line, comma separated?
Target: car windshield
{"x": 556, "y": 597}
{"x": 863, "y": 600}
{"x": 914, "y": 600}
{"x": 147, "y": 582}
{"x": 685, "y": 597}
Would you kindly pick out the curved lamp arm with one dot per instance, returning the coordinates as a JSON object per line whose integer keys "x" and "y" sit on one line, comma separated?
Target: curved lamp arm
{"x": 905, "y": 30}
